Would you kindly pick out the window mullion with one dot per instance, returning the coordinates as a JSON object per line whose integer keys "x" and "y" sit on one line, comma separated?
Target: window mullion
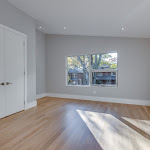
{"x": 103, "y": 70}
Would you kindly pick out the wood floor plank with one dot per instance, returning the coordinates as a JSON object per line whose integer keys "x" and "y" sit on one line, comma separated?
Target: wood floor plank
{"x": 67, "y": 124}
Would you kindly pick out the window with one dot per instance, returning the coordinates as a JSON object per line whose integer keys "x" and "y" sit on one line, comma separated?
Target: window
{"x": 78, "y": 70}
{"x": 74, "y": 75}
{"x": 69, "y": 75}
{"x": 104, "y": 61}
{"x": 100, "y": 74}
{"x": 105, "y": 79}
{"x": 95, "y": 69}
{"x": 106, "y": 66}
{"x": 113, "y": 73}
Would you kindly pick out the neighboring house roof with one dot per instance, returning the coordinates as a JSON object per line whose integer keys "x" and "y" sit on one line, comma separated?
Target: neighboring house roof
{"x": 75, "y": 70}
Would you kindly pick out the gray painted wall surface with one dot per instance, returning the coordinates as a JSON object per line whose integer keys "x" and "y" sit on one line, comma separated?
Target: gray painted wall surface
{"x": 40, "y": 63}
{"x": 133, "y": 71}
{"x": 16, "y": 19}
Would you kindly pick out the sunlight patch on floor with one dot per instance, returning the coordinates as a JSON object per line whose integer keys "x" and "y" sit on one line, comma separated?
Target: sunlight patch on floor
{"x": 112, "y": 133}
{"x": 141, "y": 124}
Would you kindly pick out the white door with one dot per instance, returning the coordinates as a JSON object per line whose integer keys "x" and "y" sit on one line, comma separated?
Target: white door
{"x": 14, "y": 72}
{"x": 2, "y": 79}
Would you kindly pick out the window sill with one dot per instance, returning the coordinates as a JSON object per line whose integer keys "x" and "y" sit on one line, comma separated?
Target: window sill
{"x": 97, "y": 85}
{"x": 78, "y": 85}
{"x": 111, "y": 86}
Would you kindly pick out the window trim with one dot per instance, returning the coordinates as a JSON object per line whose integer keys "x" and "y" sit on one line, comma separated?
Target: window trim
{"x": 91, "y": 71}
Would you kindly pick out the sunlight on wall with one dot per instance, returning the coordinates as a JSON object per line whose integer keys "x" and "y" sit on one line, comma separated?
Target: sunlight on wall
{"x": 112, "y": 133}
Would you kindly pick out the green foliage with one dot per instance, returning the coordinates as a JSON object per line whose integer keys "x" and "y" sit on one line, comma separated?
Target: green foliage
{"x": 113, "y": 66}
{"x": 79, "y": 62}
{"x": 99, "y": 60}
{"x": 73, "y": 62}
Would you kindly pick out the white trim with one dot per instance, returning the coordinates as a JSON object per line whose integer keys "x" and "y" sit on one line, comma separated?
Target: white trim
{"x": 41, "y": 95}
{"x": 25, "y": 71}
{"x": 78, "y": 85}
{"x": 66, "y": 70}
{"x": 101, "y": 99}
{"x": 104, "y": 70}
{"x": 12, "y": 30}
{"x": 30, "y": 105}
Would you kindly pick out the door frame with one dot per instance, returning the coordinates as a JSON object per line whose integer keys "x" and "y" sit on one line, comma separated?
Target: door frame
{"x": 25, "y": 59}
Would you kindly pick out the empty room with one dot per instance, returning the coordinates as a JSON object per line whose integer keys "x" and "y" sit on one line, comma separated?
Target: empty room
{"x": 74, "y": 75}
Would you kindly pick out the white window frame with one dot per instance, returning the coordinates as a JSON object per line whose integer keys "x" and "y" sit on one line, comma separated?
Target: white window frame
{"x": 93, "y": 70}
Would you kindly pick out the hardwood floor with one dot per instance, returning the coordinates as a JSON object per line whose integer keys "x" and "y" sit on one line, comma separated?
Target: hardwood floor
{"x": 65, "y": 124}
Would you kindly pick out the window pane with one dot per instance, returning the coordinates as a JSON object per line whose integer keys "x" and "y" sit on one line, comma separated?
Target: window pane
{"x": 78, "y": 70}
{"x": 104, "y": 78}
{"x": 104, "y": 61}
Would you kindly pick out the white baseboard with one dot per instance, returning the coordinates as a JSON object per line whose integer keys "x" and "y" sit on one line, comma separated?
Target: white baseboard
{"x": 101, "y": 99}
{"x": 41, "y": 95}
{"x": 30, "y": 105}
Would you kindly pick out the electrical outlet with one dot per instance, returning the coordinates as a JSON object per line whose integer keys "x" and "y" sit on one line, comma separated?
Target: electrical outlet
{"x": 94, "y": 92}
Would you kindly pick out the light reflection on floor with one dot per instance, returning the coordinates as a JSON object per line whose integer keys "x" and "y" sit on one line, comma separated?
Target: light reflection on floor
{"x": 114, "y": 133}
{"x": 141, "y": 124}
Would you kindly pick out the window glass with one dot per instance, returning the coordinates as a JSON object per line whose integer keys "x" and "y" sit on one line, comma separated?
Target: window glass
{"x": 101, "y": 69}
{"x": 107, "y": 78}
{"x": 104, "y": 61}
{"x": 78, "y": 70}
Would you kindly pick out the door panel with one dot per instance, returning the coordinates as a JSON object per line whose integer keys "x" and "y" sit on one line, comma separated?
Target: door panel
{"x": 14, "y": 64}
{"x": 2, "y": 80}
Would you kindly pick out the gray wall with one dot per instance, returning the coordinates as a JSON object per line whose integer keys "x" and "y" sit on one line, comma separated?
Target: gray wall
{"x": 40, "y": 63}
{"x": 134, "y": 65}
{"x": 16, "y": 19}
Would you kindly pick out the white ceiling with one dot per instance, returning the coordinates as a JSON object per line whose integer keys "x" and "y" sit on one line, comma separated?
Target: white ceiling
{"x": 90, "y": 17}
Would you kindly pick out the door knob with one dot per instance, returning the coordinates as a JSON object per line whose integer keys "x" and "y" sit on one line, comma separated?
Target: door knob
{"x": 7, "y": 83}
{"x": 2, "y": 83}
